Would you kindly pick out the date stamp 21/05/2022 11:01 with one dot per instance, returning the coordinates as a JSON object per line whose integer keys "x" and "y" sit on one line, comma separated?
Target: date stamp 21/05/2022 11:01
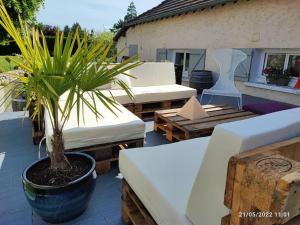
{"x": 264, "y": 214}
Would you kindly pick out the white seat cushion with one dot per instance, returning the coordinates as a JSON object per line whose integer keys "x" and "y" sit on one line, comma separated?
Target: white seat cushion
{"x": 119, "y": 95}
{"x": 162, "y": 93}
{"x": 152, "y": 93}
{"x": 206, "y": 200}
{"x": 162, "y": 177}
{"x": 111, "y": 128}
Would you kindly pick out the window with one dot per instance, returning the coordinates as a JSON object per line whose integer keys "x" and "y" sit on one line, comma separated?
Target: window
{"x": 283, "y": 61}
{"x": 183, "y": 59}
{"x": 292, "y": 64}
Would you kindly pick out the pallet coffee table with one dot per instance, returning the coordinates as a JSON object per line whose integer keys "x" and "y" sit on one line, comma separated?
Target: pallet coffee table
{"x": 178, "y": 128}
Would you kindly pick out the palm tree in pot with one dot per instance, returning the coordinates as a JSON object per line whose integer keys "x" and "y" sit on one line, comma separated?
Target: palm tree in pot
{"x": 76, "y": 69}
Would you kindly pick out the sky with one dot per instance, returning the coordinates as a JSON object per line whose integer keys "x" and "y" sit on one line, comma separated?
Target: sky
{"x": 99, "y": 15}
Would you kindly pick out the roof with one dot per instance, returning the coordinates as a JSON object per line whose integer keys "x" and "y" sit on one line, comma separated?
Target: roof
{"x": 169, "y": 8}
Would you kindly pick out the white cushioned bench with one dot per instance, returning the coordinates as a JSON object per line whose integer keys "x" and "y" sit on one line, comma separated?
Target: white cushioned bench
{"x": 184, "y": 183}
{"x": 110, "y": 128}
{"x": 153, "y": 82}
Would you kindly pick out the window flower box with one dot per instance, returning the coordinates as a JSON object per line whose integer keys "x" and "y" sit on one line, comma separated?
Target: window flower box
{"x": 277, "y": 77}
{"x": 279, "y": 81}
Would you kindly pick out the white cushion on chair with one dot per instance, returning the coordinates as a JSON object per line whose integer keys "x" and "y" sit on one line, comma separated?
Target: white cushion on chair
{"x": 108, "y": 129}
{"x": 152, "y": 93}
{"x": 162, "y": 93}
{"x": 119, "y": 95}
{"x": 206, "y": 200}
{"x": 162, "y": 177}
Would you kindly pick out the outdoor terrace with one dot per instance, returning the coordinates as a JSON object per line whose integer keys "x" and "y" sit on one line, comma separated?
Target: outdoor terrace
{"x": 17, "y": 152}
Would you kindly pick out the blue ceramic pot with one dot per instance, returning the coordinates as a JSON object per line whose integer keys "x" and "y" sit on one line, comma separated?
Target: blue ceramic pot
{"x": 57, "y": 204}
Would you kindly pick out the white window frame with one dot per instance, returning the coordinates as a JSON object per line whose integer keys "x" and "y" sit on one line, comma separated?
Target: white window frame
{"x": 278, "y": 52}
{"x": 184, "y": 56}
{"x": 185, "y": 52}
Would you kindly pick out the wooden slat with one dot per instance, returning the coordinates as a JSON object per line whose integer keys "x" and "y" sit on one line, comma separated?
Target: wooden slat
{"x": 164, "y": 111}
{"x": 209, "y": 110}
{"x": 148, "y": 110}
{"x": 175, "y": 110}
{"x": 180, "y": 128}
{"x": 103, "y": 153}
{"x": 175, "y": 118}
{"x": 202, "y": 126}
{"x": 133, "y": 208}
{"x": 217, "y": 117}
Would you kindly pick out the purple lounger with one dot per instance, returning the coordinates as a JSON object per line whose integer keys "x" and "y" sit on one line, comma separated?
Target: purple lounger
{"x": 266, "y": 108}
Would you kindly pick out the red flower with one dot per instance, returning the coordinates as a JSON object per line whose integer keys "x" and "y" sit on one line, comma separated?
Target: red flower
{"x": 266, "y": 71}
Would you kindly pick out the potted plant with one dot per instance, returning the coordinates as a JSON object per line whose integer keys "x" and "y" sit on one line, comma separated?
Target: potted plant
{"x": 59, "y": 187}
{"x": 277, "y": 77}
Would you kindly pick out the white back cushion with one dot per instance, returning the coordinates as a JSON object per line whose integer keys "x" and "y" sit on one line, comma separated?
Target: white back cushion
{"x": 153, "y": 74}
{"x": 126, "y": 79}
{"x": 205, "y": 206}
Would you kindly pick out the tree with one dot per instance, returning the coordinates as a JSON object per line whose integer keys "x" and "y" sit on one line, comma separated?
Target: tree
{"x": 27, "y": 9}
{"x": 76, "y": 26}
{"x": 105, "y": 37}
{"x": 117, "y": 26}
{"x": 130, "y": 15}
{"x": 78, "y": 75}
{"x": 67, "y": 30}
{"x": 131, "y": 12}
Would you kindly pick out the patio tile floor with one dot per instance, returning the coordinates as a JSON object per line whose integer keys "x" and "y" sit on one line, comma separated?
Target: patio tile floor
{"x": 17, "y": 152}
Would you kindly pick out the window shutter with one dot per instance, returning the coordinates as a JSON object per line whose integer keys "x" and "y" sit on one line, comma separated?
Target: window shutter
{"x": 133, "y": 50}
{"x": 242, "y": 72}
{"x": 161, "y": 54}
{"x": 197, "y": 59}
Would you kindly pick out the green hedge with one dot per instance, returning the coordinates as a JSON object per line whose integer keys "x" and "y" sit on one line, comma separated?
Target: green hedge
{"x": 12, "y": 47}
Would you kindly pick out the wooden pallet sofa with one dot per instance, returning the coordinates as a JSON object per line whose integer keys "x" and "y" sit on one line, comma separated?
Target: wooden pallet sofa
{"x": 184, "y": 182}
{"x": 154, "y": 87}
{"x": 102, "y": 138}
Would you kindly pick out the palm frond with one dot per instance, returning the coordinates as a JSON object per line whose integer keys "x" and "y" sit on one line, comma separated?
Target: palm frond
{"x": 74, "y": 71}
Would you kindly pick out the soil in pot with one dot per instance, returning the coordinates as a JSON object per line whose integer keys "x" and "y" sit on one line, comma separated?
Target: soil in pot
{"x": 41, "y": 173}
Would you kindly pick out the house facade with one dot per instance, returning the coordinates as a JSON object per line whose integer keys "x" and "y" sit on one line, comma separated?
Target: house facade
{"x": 188, "y": 32}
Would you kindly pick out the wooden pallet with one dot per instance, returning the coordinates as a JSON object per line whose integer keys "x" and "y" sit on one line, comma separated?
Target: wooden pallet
{"x": 265, "y": 181}
{"x": 130, "y": 107}
{"x": 146, "y": 110}
{"x": 133, "y": 210}
{"x": 106, "y": 155}
{"x": 178, "y": 128}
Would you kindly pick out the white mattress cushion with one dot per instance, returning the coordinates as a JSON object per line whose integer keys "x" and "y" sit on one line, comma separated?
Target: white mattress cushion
{"x": 205, "y": 205}
{"x": 153, "y": 74}
{"x": 124, "y": 78}
{"x": 108, "y": 129}
{"x": 162, "y": 93}
{"x": 119, "y": 95}
{"x": 152, "y": 93}
{"x": 162, "y": 177}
